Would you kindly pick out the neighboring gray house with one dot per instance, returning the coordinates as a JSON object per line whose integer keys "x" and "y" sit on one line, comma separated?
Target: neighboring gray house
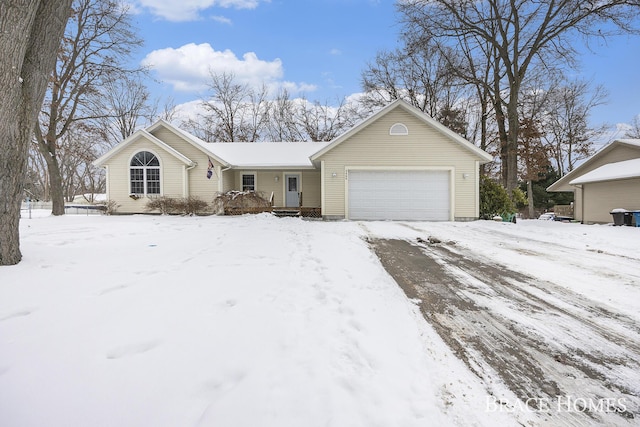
{"x": 608, "y": 180}
{"x": 398, "y": 164}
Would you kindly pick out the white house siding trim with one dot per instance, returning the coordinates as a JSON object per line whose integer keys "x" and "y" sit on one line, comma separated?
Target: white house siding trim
{"x": 107, "y": 175}
{"x": 284, "y": 185}
{"x": 220, "y": 175}
{"x": 160, "y": 162}
{"x": 477, "y": 173}
{"x": 323, "y": 191}
{"x": 185, "y": 182}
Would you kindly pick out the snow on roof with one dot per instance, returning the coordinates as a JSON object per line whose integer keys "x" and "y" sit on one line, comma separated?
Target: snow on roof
{"x": 611, "y": 171}
{"x": 266, "y": 154}
{"x": 258, "y": 154}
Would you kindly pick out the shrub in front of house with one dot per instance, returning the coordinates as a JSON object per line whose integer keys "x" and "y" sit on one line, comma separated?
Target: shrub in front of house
{"x": 240, "y": 202}
{"x": 178, "y": 206}
{"x": 494, "y": 199}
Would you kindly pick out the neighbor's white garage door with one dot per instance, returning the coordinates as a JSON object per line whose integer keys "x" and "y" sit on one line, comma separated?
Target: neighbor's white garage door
{"x": 399, "y": 195}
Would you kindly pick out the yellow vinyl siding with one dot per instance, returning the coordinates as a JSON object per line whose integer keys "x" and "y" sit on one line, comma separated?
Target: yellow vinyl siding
{"x": 228, "y": 180}
{"x": 266, "y": 184}
{"x": 600, "y": 198}
{"x": 577, "y": 204}
{"x": 199, "y": 185}
{"x": 617, "y": 154}
{"x": 311, "y": 189}
{"x": 171, "y": 176}
{"x": 423, "y": 147}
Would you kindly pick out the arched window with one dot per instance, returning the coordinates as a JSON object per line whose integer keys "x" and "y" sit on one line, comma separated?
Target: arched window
{"x": 398, "y": 129}
{"x": 144, "y": 171}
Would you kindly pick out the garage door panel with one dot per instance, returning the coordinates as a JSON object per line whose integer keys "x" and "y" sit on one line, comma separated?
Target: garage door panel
{"x": 399, "y": 195}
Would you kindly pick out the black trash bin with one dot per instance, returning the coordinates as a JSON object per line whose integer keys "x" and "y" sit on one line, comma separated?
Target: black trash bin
{"x": 621, "y": 216}
{"x": 628, "y": 218}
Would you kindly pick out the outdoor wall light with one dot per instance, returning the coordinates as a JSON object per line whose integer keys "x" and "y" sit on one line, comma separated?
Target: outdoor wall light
{"x": 277, "y": 178}
{"x": 333, "y": 175}
{"x": 465, "y": 175}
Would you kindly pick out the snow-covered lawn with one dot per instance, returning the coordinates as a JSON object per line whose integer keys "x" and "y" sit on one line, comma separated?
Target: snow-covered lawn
{"x": 257, "y": 321}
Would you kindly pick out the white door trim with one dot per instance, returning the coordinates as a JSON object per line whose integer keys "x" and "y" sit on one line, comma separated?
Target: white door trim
{"x": 450, "y": 169}
{"x": 284, "y": 185}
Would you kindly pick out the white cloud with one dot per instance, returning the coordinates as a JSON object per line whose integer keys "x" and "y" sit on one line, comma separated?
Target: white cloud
{"x": 189, "y": 67}
{"x": 221, "y": 19}
{"x": 189, "y": 10}
{"x": 187, "y": 111}
{"x": 335, "y": 51}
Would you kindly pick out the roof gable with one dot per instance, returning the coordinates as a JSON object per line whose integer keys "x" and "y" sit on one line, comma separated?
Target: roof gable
{"x": 610, "y": 172}
{"x": 191, "y": 139}
{"x": 424, "y": 118}
{"x": 564, "y": 183}
{"x": 142, "y": 134}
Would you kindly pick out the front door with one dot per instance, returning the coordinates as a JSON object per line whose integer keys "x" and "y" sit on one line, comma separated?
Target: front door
{"x": 292, "y": 190}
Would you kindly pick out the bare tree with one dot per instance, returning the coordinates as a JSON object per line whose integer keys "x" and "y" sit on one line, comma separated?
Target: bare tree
{"x": 634, "y": 132}
{"x": 31, "y": 32}
{"x": 235, "y": 112}
{"x": 282, "y": 122}
{"x": 419, "y": 74}
{"x": 168, "y": 112}
{"x": 124, "y": 105}
{"x": 566, "y": 122}
{"x": 37, "y": 182}
{"x": 520, "y": 35}
{"x": 324, "y": 122}
{"x": 97, "y": 42}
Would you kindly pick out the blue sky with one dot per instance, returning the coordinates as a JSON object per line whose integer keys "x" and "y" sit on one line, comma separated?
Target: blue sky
{"x": 317, "y": 48}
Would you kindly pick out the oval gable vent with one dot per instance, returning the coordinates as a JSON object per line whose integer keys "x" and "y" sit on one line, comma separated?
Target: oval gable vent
{"x": 398, "y": 129}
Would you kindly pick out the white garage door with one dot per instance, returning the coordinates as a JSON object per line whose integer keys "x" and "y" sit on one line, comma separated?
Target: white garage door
{"x": 399, "y": 195}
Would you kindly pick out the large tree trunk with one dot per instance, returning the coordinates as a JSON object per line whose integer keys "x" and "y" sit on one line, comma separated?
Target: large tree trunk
{"x": 30, "y": 35}
{"x": 512, "y": 139}
{"x": 532, "y": 208}
{"x": 56, "y": 187}
{"x": 47, "y": 147}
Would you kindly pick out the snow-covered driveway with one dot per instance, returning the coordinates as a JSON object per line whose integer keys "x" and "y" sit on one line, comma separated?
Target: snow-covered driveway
{"x": 254, "y": 320}
{"x": 532, "y": 342}
{"x": 545, "y": 313}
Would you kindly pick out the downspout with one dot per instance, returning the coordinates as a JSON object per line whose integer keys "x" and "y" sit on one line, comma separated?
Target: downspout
{"x": 107, "y": 186}
{"x": 185, "y": 189}
{"x": 579, "y": 186}
{"x": 221, "y": 180}
{"x": 322, "y": 189}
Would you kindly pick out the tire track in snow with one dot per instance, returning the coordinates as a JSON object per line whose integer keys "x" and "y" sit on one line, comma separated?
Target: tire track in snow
{"x": 536, "y": 338}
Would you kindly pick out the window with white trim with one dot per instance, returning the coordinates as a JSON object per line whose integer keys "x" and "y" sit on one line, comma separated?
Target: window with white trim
{"x": 144, "y": 173}
{"x": 399, "y": 129}
{"x": 248, "y": 182}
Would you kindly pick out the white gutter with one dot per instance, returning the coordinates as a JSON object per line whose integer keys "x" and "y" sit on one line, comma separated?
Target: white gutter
{"x": 221, "y": 179}
{"x": 185, "y": 189}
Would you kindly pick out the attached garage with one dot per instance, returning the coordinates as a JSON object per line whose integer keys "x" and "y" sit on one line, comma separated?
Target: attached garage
{"x": 423, "y": 195}
{"x": 400, "y": 164}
